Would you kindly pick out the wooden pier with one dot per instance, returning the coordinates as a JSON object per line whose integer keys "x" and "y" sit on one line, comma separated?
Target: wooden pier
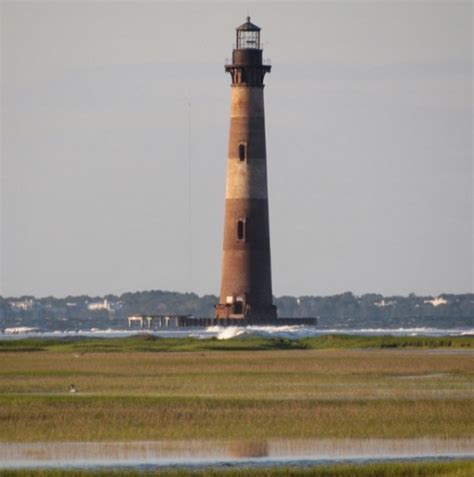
{"x": 158, "y": 322}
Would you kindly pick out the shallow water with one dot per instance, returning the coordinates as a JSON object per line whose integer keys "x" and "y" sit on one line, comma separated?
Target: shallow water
{"x": 233, "y": 453}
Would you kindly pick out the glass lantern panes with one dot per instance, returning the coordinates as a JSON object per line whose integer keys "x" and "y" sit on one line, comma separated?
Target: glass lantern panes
{"x": 248, "y": 39}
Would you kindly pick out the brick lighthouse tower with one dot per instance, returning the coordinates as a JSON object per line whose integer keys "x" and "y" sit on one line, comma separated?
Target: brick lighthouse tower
{"x": 246, "y": 282}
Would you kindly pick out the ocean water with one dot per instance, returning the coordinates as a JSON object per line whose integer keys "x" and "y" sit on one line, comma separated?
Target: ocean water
{"x": 222, "y": 333}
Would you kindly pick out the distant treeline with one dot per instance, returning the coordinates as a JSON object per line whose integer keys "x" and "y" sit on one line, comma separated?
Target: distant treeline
{"x": 343, "y": 310}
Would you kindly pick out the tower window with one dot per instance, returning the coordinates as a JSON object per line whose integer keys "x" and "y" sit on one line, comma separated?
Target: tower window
{"x": 241, "y": 229}
{"x": 239, "y": 306}
{"x": 242, "y": 151}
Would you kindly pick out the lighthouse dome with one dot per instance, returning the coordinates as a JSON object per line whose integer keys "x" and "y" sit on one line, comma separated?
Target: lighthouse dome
{"x": 248, "y": 36}
{"x": 248, "y": 26}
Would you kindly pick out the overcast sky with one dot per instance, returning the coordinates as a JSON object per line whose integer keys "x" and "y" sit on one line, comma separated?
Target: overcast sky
{"x": 369, "y": 145}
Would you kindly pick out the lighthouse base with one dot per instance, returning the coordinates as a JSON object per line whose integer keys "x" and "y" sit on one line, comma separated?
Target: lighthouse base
{"x": 257, "y": 321}
{"x": 246, "y": 314}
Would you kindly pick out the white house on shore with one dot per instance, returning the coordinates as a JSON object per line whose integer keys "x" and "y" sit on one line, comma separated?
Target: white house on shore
{"x": 437, "y": 301}
{"x": 100, "y": 305}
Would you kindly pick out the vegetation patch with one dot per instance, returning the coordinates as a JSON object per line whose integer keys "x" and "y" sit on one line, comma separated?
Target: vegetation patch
{"x": 234, "y": 393}
{"x": 386, "y": 469}
{"x": 150, "y": 343}
{"x": 92, "y": 418}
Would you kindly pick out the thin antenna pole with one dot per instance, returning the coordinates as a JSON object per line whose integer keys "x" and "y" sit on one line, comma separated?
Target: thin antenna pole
{"x": 190, "y": 210}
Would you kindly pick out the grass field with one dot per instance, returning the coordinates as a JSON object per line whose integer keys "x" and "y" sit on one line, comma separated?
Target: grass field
{"x": 145, "y": 389}
{"x": 412, "y": 469}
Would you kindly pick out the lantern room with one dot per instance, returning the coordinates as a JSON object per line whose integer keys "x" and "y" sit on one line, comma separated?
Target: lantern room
{"x": 248, "y": 36}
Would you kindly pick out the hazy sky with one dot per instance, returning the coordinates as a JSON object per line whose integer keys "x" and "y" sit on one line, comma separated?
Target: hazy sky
{"x": 369, "y": 145}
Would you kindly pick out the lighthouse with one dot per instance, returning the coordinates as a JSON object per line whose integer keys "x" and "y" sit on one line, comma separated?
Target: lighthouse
{"x": 246, "y": 279}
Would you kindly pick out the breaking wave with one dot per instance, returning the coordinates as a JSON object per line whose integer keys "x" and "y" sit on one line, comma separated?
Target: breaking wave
{"x": 228, "y": 332}
{"x": 301, "y": 331}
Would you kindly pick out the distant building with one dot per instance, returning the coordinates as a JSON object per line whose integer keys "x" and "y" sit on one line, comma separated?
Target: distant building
{"x": 23, "y": 305}
{"x": 101, "y": 305}
{"x": 382, "y": 303}
{"x": 437, "y": 301}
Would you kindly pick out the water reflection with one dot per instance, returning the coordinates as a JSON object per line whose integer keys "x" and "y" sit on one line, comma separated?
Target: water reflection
{"x": 163, "y": 453}
{"x": 243, "y": 449}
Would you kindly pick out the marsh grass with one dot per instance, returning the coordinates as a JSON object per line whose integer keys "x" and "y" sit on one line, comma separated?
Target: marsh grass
{"x": 286, "y": 374}
{"x": 283, "y": 393}
{"x": 90, "y": 418}
{"x": 149, "y": 343}
{"x": 388, "y": 469}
